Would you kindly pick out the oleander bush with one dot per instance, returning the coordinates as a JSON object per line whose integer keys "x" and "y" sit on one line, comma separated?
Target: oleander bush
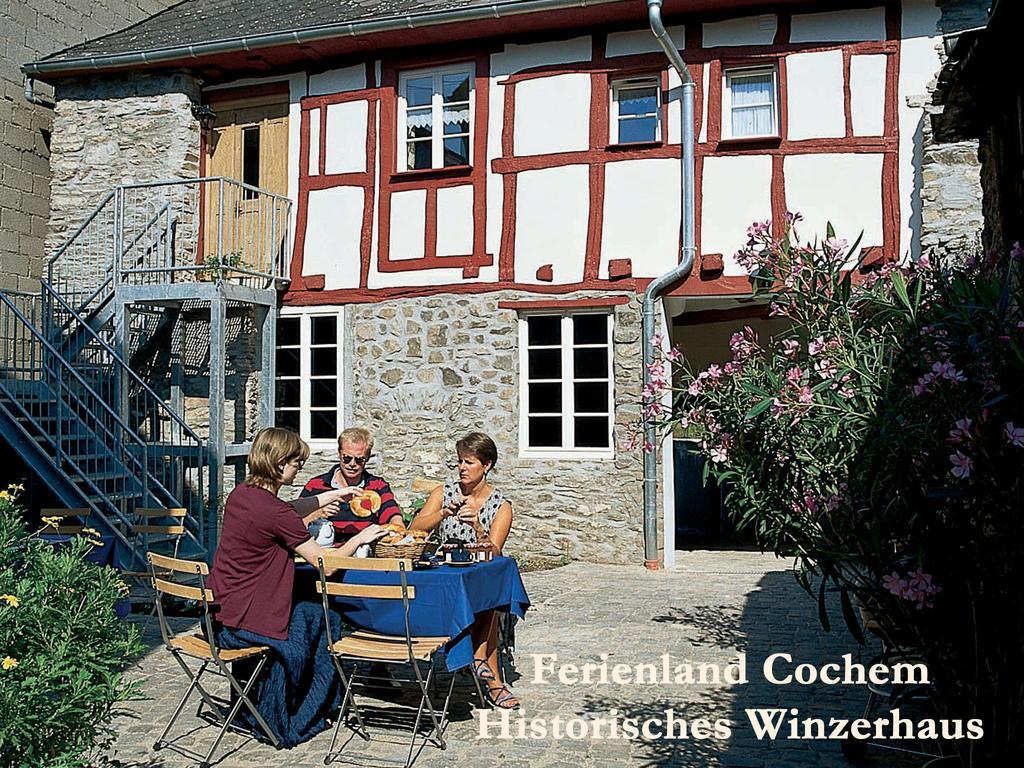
{"x": 63, "y": 649}
{"x": 880, "y": 442}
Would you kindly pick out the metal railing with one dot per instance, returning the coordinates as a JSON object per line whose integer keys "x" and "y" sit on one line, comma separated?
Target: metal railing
{"x": 84, "y": 436}
{"x": 173, "y": 231}
{"x": 178, "y": 457}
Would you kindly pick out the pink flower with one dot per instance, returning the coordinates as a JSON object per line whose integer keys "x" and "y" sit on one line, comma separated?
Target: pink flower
{"x": 778, "y": 408}
{"x": 805, "y": 395}
{"x": 657, "y": 340}
{"x": 895, "y": 584}
{"x": 924, "y": 384}
{"x": 794, "y": 376}
{"x": 962, "y": 465}
{"x": 758, "y": 230}
{"x": 675, "y": 355}
{"x": 790, "y": 347}
{"x": 834, "y": 244}
{"x": 1014, "y": 435}
{"x": 961, "y": 431}
{"x": 1016, "y": 252}
{"x": 649, "y": 447}
{"x": 695, "y": 388}
{"x": 653, "y": 409}
{"x": 816, "y": 346}
{"x": 826, "y": 368}
{"x": 714, "y": 372}
{"x": 946, "y": 370}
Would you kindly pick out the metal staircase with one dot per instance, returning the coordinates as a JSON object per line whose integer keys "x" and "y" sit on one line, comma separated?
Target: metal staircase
{"x": 92, "y": 391}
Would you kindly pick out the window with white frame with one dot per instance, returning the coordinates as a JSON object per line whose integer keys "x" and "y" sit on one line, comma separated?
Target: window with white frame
{"x": 308, "y": 395}
{"x": 434, "y": 116}
{"x": 566, "y": 393}
{"x": 635, "y": 111}
{"x": 750, "y": 103}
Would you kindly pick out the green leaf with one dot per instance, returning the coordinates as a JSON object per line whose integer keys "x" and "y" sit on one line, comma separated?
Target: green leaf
{"x": 822, "y": 609}
{"x": 899, "y": 284}
{"x": 850, "y": 615}
{"x": 758, "y": 409}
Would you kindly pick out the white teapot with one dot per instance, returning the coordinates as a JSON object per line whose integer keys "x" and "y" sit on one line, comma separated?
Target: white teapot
{"x": 323, "y": 531}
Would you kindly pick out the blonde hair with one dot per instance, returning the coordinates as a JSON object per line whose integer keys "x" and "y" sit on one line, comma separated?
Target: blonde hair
{"x": 271, "y": 448}
{"x": 357, "y": 435}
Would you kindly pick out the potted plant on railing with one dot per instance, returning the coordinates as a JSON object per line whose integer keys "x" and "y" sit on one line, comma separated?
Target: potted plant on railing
{"x": 217, "y": 268}
{"x": 880, "y": 442}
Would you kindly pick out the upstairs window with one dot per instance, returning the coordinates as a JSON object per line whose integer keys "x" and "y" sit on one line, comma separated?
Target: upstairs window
{"x": 750, "y": 103}
{"x": 636, "y": 111}
{"x": 434, "y": 116}
{"x": 566, "y": 395}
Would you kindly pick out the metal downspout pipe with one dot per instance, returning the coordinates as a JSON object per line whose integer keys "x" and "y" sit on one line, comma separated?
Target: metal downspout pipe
{"x": 677, "y": 273}
{"x": 30, "y": 94}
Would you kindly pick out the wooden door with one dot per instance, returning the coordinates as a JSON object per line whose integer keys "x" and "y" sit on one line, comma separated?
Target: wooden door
{"x": 248, "y": 143}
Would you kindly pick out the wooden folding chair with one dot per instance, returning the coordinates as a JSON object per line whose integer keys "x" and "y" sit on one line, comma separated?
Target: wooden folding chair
{"x": 200, "y": 647}
{"x": 71, "y": 521}
{"x": 362, "y": 646}
{"x": 150, "y": 535}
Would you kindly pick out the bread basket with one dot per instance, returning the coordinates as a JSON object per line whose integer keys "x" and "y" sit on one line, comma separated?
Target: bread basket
{"x": 412, "y": 550}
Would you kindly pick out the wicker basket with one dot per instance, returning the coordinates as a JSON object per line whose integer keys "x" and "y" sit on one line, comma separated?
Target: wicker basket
{"x": 412, "y": 551}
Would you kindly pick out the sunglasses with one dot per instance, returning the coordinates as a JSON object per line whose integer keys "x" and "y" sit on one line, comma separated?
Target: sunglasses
{"x": 360, "y": 460}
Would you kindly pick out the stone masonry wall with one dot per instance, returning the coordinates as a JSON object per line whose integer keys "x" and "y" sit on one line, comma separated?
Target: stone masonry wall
{"x": 117, "y": 130}
{"x": 425, "y": 371}
{"x": 952, "y": 219}
{"x": 31, "y": 31}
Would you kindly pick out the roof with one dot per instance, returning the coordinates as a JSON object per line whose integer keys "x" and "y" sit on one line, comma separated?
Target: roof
{"x": 205, "y": 33}
{"x": 195, "y": 22}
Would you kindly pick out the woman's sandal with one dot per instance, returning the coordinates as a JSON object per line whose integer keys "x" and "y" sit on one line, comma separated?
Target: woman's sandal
{"x": 482, "y": 670}
{"x": 502, "y": 698}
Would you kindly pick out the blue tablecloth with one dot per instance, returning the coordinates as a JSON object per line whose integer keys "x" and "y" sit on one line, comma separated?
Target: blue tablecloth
{"x": 446, "y": 603}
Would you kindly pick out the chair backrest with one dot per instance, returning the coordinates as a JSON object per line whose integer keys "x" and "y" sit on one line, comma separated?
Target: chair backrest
{"x": 63, "y": 515}
{"x": 385, "y": 564}
{"x": 162, "y": 571}
{"x": 144, "y": 527}
{"x": 402, "y": 591}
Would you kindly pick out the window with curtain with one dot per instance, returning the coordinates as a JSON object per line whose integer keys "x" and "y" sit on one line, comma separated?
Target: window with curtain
{"x": 566, "y": 394}
{"x": 434, "y": 116}
{"x": 635, "y": 113}
{"x": 750, "y": 103}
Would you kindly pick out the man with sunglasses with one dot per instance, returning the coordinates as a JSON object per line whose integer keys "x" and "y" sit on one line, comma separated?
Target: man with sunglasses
{"x": 355, "y": 446}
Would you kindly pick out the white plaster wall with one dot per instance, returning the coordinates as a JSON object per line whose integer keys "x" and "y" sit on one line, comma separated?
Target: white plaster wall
{"x": 515, "y": 58}
{"x": 642, "y": 41}
{"x": 408, "y": 224}
{"x": 552, "y": 114}
{"x": 642, "y": 203}
{"x": 455, "y": 221}
{"x": 749, "y": 30}
{"x": 815, "y": 101}
{"x": 338, "y": 80}
{"x": 919, "y": 64}
{"x": 334, "y": 224}
{"x": 675, "y": 97}
{"x": 839, "y": 26}
{"x": 552, "y": 207}
{"x": 844, "y": 189}
{"x": 867, "y": 94}
{"x": 314, "y": 142}
{"x": 346, "y": 137}
{"x": 705, "y": 89}
{"x": 735, "y": 191}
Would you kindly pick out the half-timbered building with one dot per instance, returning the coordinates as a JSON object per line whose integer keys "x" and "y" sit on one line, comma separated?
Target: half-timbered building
{"x": 479, "y": 194}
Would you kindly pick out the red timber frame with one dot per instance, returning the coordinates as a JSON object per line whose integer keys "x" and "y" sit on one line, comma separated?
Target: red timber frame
{"x": 602, "y": 70}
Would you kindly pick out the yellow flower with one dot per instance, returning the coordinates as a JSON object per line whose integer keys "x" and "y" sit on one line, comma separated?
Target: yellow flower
{"x": 15, "y": 487}
{"x": 51, "y": 522}
{"x": 5, "y": 496}
{"x": 11, "y": 600}
{"x": 8, "y": 663}
{"x": 91, "y": 531}
{"x": 95, "y": 542}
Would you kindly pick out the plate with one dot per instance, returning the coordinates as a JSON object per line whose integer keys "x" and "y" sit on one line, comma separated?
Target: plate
{"x": 461, "y": 565}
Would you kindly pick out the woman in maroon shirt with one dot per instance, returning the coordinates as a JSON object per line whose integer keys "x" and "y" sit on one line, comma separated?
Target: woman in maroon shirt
{"x": 252, "y": 578}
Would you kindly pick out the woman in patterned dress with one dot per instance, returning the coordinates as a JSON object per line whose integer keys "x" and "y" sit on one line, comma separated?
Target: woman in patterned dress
{"x": 471, "y": 510}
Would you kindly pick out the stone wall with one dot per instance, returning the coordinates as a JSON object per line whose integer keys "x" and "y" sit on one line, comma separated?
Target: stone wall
{"x": 31, "y": 31}
{"x": 424, "y": 371}
{"x": 116, "y": 130}
{"x": 952, "y": 219}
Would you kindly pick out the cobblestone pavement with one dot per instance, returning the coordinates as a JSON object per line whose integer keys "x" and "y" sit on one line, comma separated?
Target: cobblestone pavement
{"x": 714, "y": 606}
